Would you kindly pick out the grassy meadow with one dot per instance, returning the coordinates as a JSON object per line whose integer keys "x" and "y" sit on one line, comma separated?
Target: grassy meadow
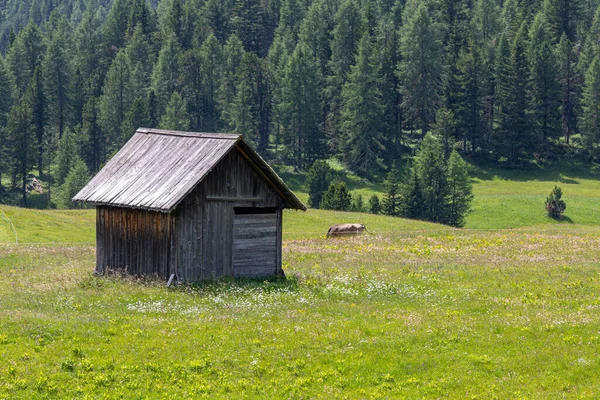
{"x": 415, "y": 310}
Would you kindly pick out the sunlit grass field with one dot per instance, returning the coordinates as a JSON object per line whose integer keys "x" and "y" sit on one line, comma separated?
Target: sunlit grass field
{"x": 413, "y": 310}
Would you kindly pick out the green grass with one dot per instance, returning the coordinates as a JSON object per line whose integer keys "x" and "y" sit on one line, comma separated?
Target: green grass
{"x": 504, "y": 199}
{"x": 416, "y": 310}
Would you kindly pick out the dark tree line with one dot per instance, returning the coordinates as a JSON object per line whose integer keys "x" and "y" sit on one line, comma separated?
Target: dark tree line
{"x": 364, "y": 80}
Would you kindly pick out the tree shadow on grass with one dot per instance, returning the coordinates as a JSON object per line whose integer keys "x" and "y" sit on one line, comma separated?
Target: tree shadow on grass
{"x": 565, "y": 172}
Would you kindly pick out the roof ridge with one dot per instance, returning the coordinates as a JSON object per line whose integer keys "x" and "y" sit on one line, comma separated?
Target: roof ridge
{"x": 210, "y": 135}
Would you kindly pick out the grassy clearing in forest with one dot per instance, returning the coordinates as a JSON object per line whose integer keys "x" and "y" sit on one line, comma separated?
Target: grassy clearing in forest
{"x": 416, "y": 310}
{"x": 405, "y": 314}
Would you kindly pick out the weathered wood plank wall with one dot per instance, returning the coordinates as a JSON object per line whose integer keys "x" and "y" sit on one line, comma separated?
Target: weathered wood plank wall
{"x": 203, "y": 238}
{"x": 136, "y": 241}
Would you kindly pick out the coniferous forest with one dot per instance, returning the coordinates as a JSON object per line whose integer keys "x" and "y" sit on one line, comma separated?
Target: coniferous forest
{"x": 508, "y": 82}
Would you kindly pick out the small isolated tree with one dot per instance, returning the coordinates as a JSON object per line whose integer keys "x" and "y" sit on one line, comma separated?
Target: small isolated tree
{"x": 374, "y": 204}
{"x": 555, "y": 206}
{"x": 337, "y": 197}
{"x": 318, "y": 180}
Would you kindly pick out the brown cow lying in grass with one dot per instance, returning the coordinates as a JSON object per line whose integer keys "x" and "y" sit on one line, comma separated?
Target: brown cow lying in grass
{"x": 346, "y": 229}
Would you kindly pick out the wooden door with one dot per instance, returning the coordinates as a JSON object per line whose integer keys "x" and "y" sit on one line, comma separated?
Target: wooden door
{"x": 254, "y": 244}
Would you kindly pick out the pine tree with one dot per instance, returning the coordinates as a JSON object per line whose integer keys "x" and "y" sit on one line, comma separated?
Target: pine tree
{"x": 374, "y": 204}
{"x": 66, "y": 156}
{"x": 21, "y": 143}
{"x": 93, "y": 142}
{"x": 216, "y": 15}
{"x": 420, "y": 69}
{"x": 247, "y": 23}
{"x": 58, "y": 74}
{"x": 115, "y": 100}
{"x": 514, "y": 139}
{"x": 460, "y": 192}
{"x": 211, "y": 63}
{"x": 25, "y": 55}
{"x": 545, "y": 90}
{"x": 233, "y": 52}
{"x": 337, "y": 197}
{"x": 391, "y": 204}
{"x": 445, "y": 129}
{"x": 301, "y": 108}
{"x": 469, "y": 99}
{"x": 75, "y": 180}
{"x": 563, "y": 17}
{"x": 38, "y": 105}
{"x": 318, "y": 180}
{"x": 166, "y": 73}
{"x": 7, "y": 88}
{"x": 413, "y": 206}
{"x": 589, "y": 123}
{"x": 431, "y": 170}
{"x": 88, "y": 58}
{"x": 387, "y": 51}
{"x": 362, "y": 112}
{"x": 136, "y": 117}
{"x": 568, "y": 78}
{"x": 345, "y": 37}
{"x": 252, "y": 112}
{"x": 176, "y": 116}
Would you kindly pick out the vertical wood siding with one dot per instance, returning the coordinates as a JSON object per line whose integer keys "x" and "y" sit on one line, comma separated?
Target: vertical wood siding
{"x": 135, "y": 241}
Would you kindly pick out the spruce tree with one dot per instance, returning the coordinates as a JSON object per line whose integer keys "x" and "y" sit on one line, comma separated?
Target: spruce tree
{"x": 21, "y": 143}
{"x": 515, "y": 140}
{"x": 7, "y": 88}
{"x": 431, "y": 170}
{"x": 362, "y": 112}
{"x": 563, "y": 17}
{"x": 413, "y": 206}
{"x": 589, "y": 123}
{"x": 166, "y": 73}
{"x": 345, "y": 37}
{"x": 460, "y": 192}
{"x": 58, "y": 75}
{"x": 318, "y": 180}
{"x": 568, "y": 78}
{"x": 233, "y": 52}
{"x": 211, "y": 64}
{"x": 176, "y": 116}
{"x": 301, "y": 108}
{"x": 545, "y": 90}
{"x": 445, "y": 129}
{"x": 420, "y": 69}
{"x": 469, "y": 100}
{"x": 116, "y": 98}
{"x": 247, "y": 23}
{"x": 75, "y": 180}
{"x": 25, "y": 55}
{"x": 374, "y": 204}
{"x": 252, "y": 112}
{"x": 39, "y": 120}
{"x": 391, "y": 204}
{"x": 66, "y": 156}
{"x": 337, "y": 197}
{"x": 387, "y": 51}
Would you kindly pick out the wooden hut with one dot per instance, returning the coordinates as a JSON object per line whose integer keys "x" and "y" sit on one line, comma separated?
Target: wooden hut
{"x": 196, "y": 205}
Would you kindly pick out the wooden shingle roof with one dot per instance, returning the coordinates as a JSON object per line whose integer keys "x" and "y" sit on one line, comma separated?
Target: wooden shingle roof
{"x": 157, "y": 169}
